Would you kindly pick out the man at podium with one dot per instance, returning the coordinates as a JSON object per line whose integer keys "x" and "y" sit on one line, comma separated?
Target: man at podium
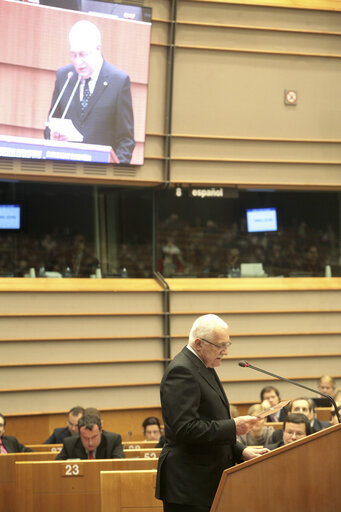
{"x": 91, "y": 101}
{"x": 200, "y": 434}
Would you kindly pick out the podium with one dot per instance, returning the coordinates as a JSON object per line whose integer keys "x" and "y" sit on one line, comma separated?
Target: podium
{"x": 26, "y": 147}
{"x": 299, "y": 477}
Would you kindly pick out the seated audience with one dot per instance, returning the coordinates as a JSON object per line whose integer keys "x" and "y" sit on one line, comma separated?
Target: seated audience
{"x": 152, "y": 431}
{"x": 269, "y": 397}
{"x": 92, "y": 442}
{"x": 259, "y": 435}
{"x": 10, "y": 444}
{"x": 295, "y": 426}
{"x": 304, "y": 406}
{"x": 59, "y": 434}
{"x": 327, "y": 385}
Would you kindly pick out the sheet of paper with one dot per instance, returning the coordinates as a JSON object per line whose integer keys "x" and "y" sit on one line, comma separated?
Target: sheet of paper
{"x": 273, "y": 409}
{"x": 65, "y": 127}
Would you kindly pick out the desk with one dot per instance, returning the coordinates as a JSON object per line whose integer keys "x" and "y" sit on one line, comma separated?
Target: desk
{"x": 7, "y": 475}
{"x": 129, "y": 490}
{"x": 146, "y": 453}
{"x": 67, "y": 485}
{"x": 55, "y": 448}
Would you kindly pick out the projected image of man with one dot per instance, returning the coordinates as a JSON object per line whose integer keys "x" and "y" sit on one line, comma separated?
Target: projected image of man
{"x": 96, "y": 95}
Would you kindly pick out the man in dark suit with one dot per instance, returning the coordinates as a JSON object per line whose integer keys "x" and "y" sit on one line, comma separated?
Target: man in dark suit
{"x": 200, "y": 434}
{"x": 59, "y": 434}
{"x": 10, "y": 444}
{"x": 101, "y": 108}
{"x": 92, "y": 442}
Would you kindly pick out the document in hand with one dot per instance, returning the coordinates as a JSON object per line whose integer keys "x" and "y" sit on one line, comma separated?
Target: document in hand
{"x": 65, "y": 127}
{"x": 273, "y": 409}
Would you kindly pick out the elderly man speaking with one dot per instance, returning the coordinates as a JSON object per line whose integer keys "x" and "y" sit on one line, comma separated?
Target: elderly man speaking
{"x": 200, "y": 434}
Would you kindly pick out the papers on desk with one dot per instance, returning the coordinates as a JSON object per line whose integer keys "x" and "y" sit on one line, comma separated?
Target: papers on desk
{"x": 65, "y": 127}
{"x": 273, "y": 410}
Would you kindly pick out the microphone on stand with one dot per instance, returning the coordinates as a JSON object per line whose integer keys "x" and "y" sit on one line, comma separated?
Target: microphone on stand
{"x": 245, "y": 364}
{"x": 128, "y": 437}
{"x": 69, "y": 76}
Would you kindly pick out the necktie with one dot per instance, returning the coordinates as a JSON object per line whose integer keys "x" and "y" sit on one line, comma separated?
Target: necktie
{"x": 91, "y": 455}
{"x": 2, "y": 448}
{"x": 86, "y": 94}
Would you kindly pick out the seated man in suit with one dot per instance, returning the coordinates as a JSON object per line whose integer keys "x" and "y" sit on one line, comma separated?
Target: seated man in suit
{"x": 295, "y": 426}
{"x": 59, "y": 434}
{"x": 10, "y": 444}
{"x": 94, "y": 94}
{"x": 92, "y": 442}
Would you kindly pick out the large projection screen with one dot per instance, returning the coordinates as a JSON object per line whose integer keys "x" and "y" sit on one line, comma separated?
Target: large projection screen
{"x": 34, "y": 44}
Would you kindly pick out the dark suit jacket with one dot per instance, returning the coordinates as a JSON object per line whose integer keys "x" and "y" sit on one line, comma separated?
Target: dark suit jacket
{"x": 200, "y": 436}
{"x": 110, "y": 447}
{"x": 58, "y": 435}
{"x": 12, "y": 445}
{"x": 273, "y": 446}
{"x": 319, "y": 425}
{"x": 108, "y": 119}
{"x": 283, "y": 413}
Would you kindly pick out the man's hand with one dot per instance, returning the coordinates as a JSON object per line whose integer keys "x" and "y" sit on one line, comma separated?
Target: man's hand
{"x": 244, "y": 424}
{"x": 250, "y": 452}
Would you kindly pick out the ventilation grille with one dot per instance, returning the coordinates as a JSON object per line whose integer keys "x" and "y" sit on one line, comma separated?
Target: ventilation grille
{"x": 64, "y": 167}
{"x": 128, "y": 172}
{"x": 95, "y": 170}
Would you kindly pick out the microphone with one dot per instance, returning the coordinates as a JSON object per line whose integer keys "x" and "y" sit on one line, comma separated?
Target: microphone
{"x": 128, "y": 436}
{"x": 245, "y": 364}
{"x": 71, "y": 97}
{"x": 69, "y": 76}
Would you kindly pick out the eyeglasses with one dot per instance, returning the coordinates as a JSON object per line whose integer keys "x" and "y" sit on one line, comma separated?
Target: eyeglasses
{"x": 223, "y": 346}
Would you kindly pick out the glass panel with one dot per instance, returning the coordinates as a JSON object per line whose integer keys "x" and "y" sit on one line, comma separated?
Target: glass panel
{"x": 292, "y": 234}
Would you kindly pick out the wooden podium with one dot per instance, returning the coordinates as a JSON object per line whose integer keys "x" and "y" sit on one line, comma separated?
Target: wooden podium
{"x": 300, "y": 477}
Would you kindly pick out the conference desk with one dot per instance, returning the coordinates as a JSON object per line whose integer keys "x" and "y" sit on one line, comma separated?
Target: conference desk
{"x": 7, "y": 475}
{"x": 68, "y": 485}
{"x": 145, "y": 453}
{"x": 55, "y": 448}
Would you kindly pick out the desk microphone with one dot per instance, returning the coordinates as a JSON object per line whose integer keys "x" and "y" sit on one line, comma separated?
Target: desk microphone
{"x": 128, "y": 436}
{"x": 245, "y": 364}
{"x": 69, "y": 76}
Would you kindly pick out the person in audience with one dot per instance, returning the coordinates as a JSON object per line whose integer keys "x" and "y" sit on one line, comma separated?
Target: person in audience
{"x": 315, "y": 423}
{"x": 259, "y": 435}
{"x": 270, "y": 397}
{"x": 326, "y": 385}
{"x": 92, "y": 442}
{"x": 59, "y": 434}
{"x": 152, "y": 431}
{"x": 10, "y": 444}
{"x": 295, "y": 427}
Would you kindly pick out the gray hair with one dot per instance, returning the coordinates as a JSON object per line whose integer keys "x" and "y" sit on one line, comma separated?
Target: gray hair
{"x": 85, "y": 31}
{"x": 204, "y": 326}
